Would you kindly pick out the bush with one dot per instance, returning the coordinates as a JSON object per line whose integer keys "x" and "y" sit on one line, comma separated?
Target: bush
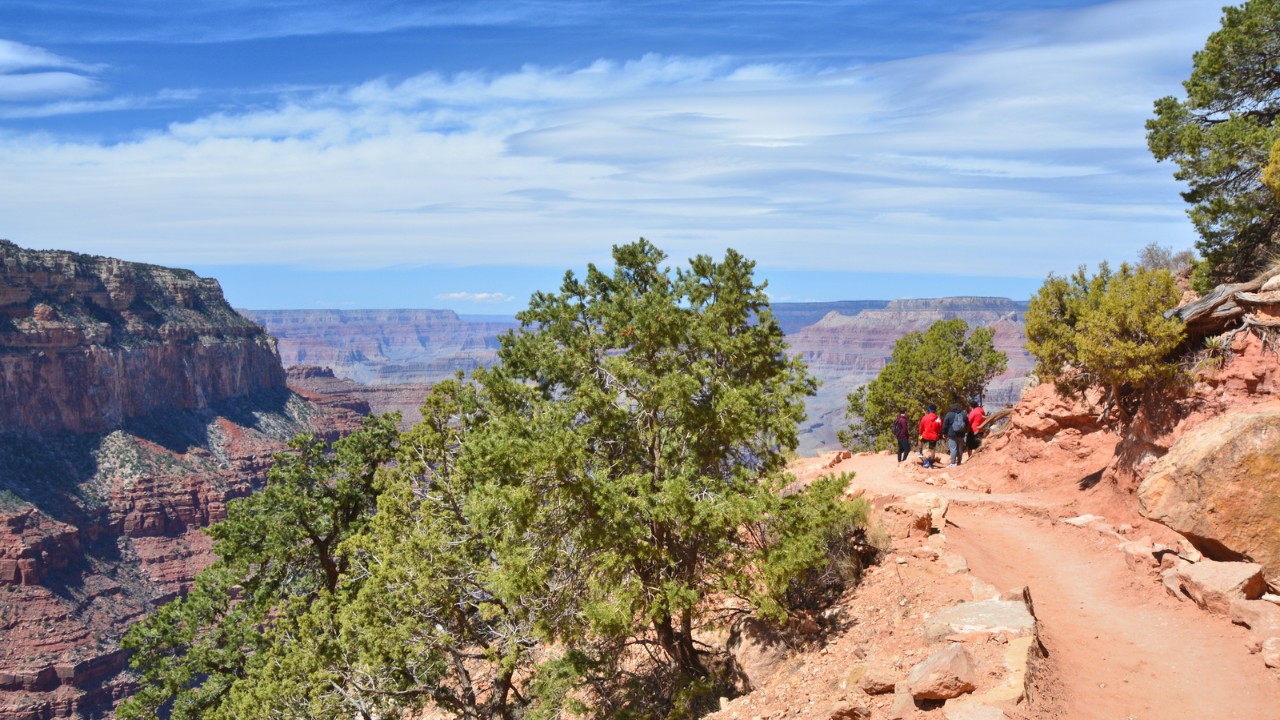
{"x": 1107, "y": 330}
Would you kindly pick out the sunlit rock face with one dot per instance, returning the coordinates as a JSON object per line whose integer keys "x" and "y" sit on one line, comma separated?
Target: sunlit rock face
{"x": 87, "y": 342}
{"x": 135, "y": 403}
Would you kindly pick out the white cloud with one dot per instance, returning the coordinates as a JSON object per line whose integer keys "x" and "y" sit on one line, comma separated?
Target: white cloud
{"x": 32, "y": 73}
{"x": 1014, "y": 156}
{"x": 483, "y": 297}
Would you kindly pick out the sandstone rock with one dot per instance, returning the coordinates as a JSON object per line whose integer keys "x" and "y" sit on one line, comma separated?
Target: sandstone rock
{"x": 948, "y": 673}
{"x": 985, "y": 616}
{"x": 1083, "y": 520}
{"x": 972, "y": 711}
{"x": 1213, "y": 585}
{"x": 931, "y": 506}
{"x": 757, "y": 650}
{"x": 903, "y": 705}
{"x": 878, "y": 680}
{"x": 1138, "y": 555}
{"x": 1271, "y": 652}
{"x": 844, "y": 711}
{"x": 1219, "y": 486}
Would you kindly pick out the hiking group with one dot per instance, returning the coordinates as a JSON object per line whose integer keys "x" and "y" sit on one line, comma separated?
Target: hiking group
{"x": 961, "y": 428}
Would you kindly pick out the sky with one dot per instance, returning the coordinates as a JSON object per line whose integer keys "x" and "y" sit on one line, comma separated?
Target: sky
{"x": 386, "y": 153}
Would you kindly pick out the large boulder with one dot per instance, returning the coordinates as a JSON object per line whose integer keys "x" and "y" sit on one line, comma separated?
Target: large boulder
{"x": 1219, "y": 486}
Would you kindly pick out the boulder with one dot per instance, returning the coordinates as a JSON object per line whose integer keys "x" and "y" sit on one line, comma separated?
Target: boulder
{"x": 758, "y": 651}
{"x": 878, "y": 680}
{"x": 949, "y": 672}
{"x": 1219, "y": 486}
{"x": 986, "y": 616}
{"x": 1271, "y": 652}
{"x": 1214, "y": 585}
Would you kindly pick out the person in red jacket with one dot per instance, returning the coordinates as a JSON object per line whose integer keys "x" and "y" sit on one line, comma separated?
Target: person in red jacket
{"x": 930, "y": 424}
{"x": 976, "y": 417}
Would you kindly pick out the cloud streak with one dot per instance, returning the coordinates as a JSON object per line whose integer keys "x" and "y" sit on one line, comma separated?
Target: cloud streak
{"x": 1017, "y": 154}
{"x": 480, "y": 297}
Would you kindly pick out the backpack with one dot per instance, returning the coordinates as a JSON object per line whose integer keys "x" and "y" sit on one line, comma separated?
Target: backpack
{"x": 959, "y": 424}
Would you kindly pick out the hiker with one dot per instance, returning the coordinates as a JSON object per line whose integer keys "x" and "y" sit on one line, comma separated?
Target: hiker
{"x": 929, "y": 425}
{"x": 955, "y": 425}
{"x": 903, "y": 435}
{"x": 977, "y": 416}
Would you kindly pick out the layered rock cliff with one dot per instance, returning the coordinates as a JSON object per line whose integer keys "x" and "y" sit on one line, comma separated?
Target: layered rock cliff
{"x": 134, "y": 404}
{"x": 384, "y": 347}
{"x": 89, "y": 342}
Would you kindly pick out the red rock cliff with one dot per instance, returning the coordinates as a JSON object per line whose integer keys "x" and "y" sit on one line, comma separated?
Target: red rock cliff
{"x": 135, "y": 403}
{"x": 88, "y": 342}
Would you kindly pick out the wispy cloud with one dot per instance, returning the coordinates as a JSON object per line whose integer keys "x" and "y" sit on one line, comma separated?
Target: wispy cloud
{"x": 32, "y": 73}
{"x": 482, "y": 297}
{"x": 1017, "y": 154}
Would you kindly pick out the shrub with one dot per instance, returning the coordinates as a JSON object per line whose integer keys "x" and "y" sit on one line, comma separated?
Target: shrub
{"x": 1107, "y": 330}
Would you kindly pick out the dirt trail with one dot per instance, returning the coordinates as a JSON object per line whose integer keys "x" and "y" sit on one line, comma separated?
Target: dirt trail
{"x": 1120, "y": 648}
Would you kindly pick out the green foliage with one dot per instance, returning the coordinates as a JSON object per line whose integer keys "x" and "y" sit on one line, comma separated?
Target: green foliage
{"x": 277, "y": 554}
{"x": 1107, "y": 330}
{"x": 1221, "y": 137}
{"x": 944, "y": 365}
{"x": 545, "y": 542}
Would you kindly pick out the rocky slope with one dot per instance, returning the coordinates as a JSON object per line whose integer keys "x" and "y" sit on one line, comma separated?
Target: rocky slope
{"x": 845, "y": 343}
{"x": 134, "y": 404}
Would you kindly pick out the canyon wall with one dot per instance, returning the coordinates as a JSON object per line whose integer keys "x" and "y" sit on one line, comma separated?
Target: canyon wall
{"x": 395, "y": 353}
{"x": 135, "y": 403}
{"x": 89, "y": 342}
{"x": 384, "y": 347}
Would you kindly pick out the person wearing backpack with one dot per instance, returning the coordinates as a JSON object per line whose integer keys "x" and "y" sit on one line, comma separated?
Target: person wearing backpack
{"x": 956, "y": 426}
{"x": 903, "y": 434}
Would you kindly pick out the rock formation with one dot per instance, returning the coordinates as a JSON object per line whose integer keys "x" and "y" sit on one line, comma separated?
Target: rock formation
{"x": 135, "y": 403}
{"x": 1219, "y": 486}
{"x": 384, "y": 347}
{"x": 88, "y": 342}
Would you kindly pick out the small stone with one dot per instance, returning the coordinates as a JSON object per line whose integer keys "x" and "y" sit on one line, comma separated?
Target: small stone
{"x": 950, "y": 672}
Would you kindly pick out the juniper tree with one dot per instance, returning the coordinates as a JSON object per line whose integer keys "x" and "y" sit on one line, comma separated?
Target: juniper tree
{"x": 1221, "y": 137}
{"x": 604, "y": 488}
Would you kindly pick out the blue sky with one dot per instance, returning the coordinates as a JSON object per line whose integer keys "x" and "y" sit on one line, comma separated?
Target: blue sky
{"x": 463, "y": 154}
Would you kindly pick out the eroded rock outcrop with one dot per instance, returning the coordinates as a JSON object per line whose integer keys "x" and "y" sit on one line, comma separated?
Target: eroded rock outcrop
{"x": 88, "y": 342}
{"x": 1219, "y": 486}
{"x": 134, "y": 405}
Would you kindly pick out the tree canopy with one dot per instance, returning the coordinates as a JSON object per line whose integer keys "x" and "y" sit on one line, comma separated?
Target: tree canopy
{"x": 944, "y": 365}
{"x": 1221, "y": 136}
{"x": 552, "y": 536}
{"x": 1105, "y": 330}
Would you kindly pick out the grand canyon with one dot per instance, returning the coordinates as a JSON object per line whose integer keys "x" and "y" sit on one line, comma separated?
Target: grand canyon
{"x": 137, "y": 403}
{"x": 389, "y": 355}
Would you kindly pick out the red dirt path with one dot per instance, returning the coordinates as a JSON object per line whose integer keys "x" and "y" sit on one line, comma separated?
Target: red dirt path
{"x": 1120, "y": 648}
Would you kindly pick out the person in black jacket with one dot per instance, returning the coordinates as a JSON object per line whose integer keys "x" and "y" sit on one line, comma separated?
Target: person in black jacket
{"x": 901, "y": 431}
